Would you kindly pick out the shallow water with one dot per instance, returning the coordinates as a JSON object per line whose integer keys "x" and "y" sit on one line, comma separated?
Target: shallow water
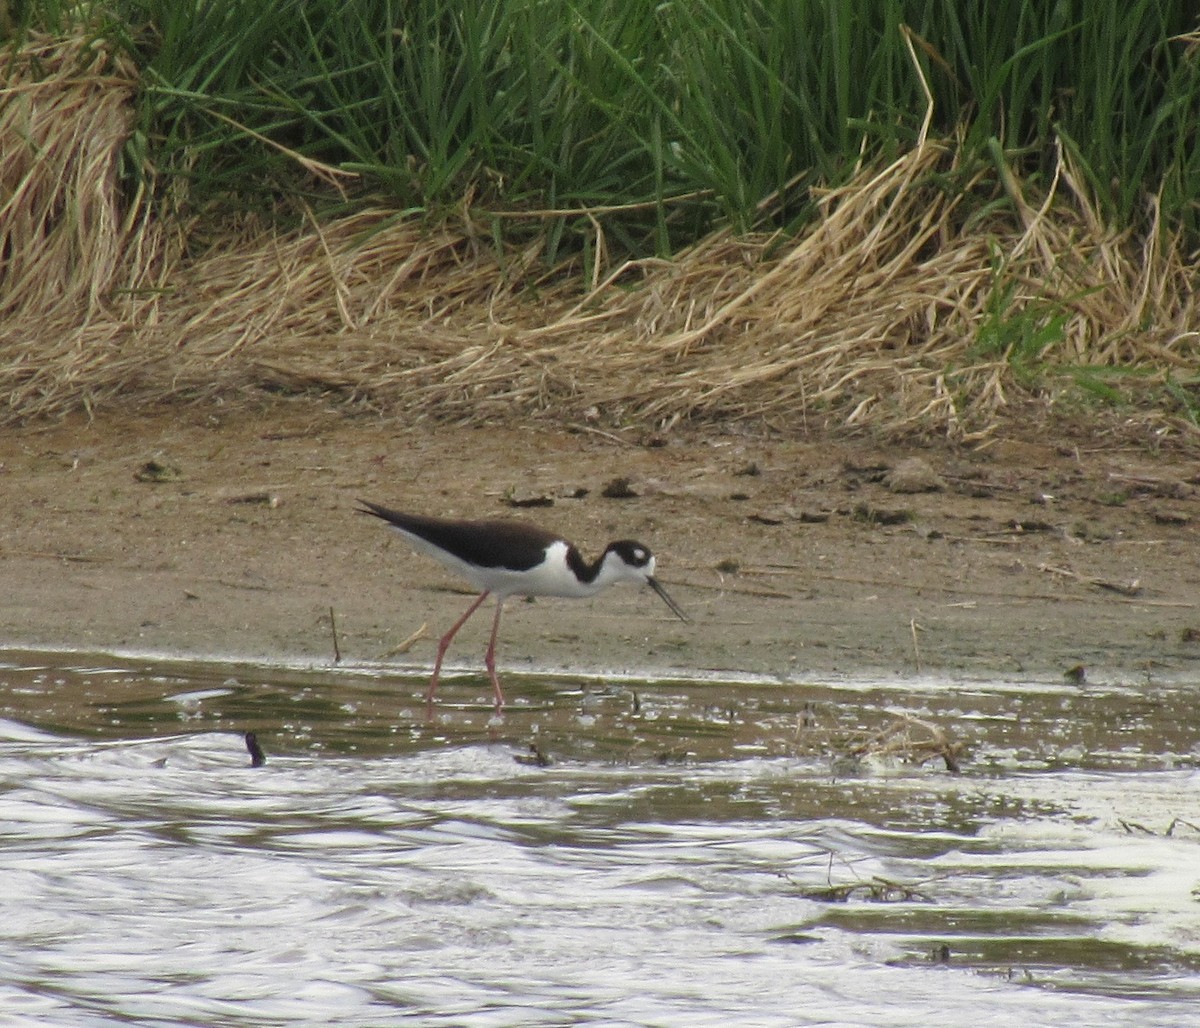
{"x": 606, "y": 853}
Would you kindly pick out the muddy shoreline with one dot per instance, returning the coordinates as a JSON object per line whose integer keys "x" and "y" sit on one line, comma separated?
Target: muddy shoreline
{"x": 197, "y": 532}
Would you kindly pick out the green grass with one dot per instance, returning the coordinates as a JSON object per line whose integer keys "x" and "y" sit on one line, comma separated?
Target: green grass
{"x": 1018, "y": 329}
{"x": 672, "y": 116}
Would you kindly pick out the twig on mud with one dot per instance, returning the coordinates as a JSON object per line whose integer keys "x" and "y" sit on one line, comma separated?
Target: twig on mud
{"x": 725, "y": 587}
{"x": 983, "y": 483}
{"x": 1132, "y": 588}
{"x": 914, "y": 628}
{"x": 1009, "y": 596}
{"x": 988, "y": 540}
{"x": 611, "y": 436}
{"x": 247, "y": 586}
{"x": 406, "y": 645}
{"x": 73, "y": 558}
{"x": 1169, "y": 487}
{"x": 337, "y": 650}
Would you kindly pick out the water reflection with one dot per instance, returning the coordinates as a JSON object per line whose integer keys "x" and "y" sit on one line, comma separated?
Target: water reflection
{"x": 698, "y": 854}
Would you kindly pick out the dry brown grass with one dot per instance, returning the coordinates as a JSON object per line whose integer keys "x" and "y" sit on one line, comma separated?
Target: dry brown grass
{"x": 868, "y": 318}
{"x": 62, "y": 229}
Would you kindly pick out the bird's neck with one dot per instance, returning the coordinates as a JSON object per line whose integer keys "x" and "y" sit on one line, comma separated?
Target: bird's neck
{"x": 594, "y": 575}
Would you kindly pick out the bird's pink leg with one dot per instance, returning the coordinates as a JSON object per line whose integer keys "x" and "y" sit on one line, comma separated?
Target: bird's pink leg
{"x": 445, "y": 645}
{"x": 490, "y": 659}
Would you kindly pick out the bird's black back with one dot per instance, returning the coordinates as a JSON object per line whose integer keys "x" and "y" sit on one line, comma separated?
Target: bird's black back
{"x": 485, "y": 543}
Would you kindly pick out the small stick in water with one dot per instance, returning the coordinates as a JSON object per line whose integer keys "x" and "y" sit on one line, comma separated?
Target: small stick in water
{"x": 257, "y": 757}
{"x": 337, "y": 650}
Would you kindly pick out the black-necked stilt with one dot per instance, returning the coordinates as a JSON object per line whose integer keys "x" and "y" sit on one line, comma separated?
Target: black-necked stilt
{"x": 512, "y": 558}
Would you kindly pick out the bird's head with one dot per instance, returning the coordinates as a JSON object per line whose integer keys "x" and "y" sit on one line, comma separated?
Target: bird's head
{"x": 630, "y": 561}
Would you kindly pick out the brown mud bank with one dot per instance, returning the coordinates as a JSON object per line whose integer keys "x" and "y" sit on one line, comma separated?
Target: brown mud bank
{"x": 198, "y": 532}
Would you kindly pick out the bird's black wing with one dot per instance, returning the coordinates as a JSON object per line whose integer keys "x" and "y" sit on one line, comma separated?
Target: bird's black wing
{"x": 486, "y": 544}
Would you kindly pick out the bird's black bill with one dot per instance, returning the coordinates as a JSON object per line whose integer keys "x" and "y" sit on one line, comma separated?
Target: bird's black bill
{"x": 675, "y": 608}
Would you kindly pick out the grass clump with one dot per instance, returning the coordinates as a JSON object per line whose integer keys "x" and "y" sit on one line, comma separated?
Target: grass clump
{"x": 667, "y": 116}
{"x": 810, "y": 214}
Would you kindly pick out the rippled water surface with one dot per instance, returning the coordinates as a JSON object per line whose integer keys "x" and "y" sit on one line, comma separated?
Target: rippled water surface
{"x": 607, "y": 853}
